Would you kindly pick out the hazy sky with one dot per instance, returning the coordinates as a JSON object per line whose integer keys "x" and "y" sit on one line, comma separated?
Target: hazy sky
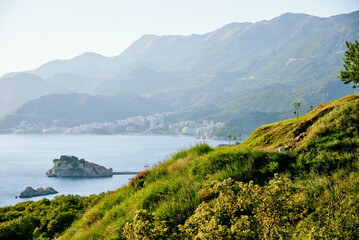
{"x": 33, "y": 32}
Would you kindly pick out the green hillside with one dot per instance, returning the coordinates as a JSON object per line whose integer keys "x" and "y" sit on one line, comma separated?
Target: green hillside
{"x": 248, "y": 191}
{"x": 301, "y": 132}
{"x": 246, "y": 124}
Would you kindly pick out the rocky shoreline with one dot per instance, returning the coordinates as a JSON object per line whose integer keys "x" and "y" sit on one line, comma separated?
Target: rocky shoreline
{"x": 29, "y": 192}
{"x": 71, "y": 166}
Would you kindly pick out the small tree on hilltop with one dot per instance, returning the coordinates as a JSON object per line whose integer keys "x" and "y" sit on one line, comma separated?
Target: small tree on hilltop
{"x": 239, "y": 137}
{"x": 229, "y": 138}
{"x": 234, "y": 139}
{"x": 296, "y": 107}
{"x": 351, "y": 64}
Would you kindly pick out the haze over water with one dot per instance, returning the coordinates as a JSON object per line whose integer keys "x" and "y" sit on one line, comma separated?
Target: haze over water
{"x": 24, "y": 160}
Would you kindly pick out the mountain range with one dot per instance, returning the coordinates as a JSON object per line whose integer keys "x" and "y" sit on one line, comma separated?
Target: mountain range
{"x": 240, "y": 68}
{"x": 69, "y": 110}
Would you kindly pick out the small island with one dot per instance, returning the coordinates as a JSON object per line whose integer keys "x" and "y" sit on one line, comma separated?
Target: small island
{"x": 71, "y": 166}
{"x": 29, "y": 192}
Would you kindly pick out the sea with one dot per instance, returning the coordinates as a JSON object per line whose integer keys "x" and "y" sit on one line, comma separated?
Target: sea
{"x": 24, "y": 160}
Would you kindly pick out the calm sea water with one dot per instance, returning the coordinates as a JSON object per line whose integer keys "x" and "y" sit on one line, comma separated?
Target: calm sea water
{"x": 24, "y": 160}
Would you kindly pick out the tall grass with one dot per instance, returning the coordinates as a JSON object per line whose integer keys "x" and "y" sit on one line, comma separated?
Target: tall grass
{"x": 322, "y": 162}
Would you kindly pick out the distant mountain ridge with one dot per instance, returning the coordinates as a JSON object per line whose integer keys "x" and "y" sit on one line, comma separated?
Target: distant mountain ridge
{"x": 86, "y": 64}
{"x": 68, "y": 110}
{"x": 237, "y": 68}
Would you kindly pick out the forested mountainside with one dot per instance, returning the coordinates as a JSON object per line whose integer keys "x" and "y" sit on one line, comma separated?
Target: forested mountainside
{"x": 68, "y": 110}
{"x": 239, "y": 68}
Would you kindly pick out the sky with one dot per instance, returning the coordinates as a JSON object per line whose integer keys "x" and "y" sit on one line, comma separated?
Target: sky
{"x": 33, "y": 32}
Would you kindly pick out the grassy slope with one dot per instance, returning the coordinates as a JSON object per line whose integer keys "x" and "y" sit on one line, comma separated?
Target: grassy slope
{"x": 286, "y": 133}
{"x": 324, "y": 155}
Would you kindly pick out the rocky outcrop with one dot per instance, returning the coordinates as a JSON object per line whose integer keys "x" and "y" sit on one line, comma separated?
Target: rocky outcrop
{"x": 30, "y": 192}
{"x": 71, "y": 166}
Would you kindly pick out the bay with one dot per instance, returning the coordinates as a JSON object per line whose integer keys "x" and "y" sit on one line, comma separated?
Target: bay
{"x": 24, "y": 160}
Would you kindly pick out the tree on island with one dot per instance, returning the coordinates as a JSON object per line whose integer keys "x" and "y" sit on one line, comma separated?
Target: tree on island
{"x": 351, "y": 64}
{"x": 67, "y": 159}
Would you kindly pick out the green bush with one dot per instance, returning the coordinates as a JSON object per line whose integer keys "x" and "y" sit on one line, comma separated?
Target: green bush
{"x": 44, "y": 218}
{"x": 145, "y": 226}
{"x": 247, "y": 211}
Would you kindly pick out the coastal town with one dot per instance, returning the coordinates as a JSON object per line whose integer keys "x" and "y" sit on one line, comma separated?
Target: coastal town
{"x": 152, "y": 124}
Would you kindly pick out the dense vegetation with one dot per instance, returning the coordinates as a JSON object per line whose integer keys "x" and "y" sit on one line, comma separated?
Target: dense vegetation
{"x": 43, "y": 219}
{"x": 248, "y": 191}
{"x": 68, "y": 160}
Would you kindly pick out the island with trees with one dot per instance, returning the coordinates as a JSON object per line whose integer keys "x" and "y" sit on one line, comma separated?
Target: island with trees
{"x": 71, "y": 166}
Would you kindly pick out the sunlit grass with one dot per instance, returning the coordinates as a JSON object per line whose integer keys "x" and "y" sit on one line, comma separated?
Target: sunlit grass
{"x": 322, "y": 165}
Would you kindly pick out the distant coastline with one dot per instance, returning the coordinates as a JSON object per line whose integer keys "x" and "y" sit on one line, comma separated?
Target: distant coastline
{"x": 119, "y": 134}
